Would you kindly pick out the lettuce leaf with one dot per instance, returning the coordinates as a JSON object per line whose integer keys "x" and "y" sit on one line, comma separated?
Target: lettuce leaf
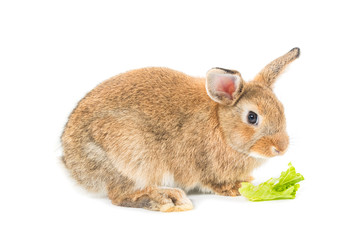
{"x": 284, "y": 187}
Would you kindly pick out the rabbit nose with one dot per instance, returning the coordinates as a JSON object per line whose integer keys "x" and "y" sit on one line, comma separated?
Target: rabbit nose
{"x": 280, "y": 144}
{"x": 275, "y": 151}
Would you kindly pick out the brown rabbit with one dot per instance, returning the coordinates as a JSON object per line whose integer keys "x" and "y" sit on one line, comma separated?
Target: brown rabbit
{"x": 144, "y": 135}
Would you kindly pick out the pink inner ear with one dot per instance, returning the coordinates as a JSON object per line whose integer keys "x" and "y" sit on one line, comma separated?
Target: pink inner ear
{"x": 226, "y": 85}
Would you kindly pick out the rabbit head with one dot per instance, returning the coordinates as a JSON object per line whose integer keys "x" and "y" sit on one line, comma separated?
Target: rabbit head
{"x": 251, "y": 118}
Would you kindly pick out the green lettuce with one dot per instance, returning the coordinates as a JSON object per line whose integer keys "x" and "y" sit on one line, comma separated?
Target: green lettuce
{"x": 284, "y": 187}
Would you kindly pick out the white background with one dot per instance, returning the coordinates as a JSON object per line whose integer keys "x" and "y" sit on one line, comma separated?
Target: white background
{"x": 52, "y": 53}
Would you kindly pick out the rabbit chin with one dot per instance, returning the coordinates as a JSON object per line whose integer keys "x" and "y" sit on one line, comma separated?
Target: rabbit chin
{"x": 258, "y": 156}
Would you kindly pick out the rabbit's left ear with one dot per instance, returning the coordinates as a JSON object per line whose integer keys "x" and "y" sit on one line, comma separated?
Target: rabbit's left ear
{"x": 224, "y": 86}
{"x": 270, "y": 72}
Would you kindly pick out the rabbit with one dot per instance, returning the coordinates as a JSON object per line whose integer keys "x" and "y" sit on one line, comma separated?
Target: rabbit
{"x": 148, "y": 136}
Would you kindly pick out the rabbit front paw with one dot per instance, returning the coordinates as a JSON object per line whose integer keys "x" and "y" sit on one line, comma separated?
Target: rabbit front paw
{"x": 229, "y": 189}
{"x": 226, "y": 189}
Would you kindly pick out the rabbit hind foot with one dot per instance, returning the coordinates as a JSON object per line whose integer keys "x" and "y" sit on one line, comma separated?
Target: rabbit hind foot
{"x": 155, "y": 199}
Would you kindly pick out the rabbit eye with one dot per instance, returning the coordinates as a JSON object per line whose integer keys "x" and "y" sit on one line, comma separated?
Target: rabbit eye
{"x": 252, "y": 118}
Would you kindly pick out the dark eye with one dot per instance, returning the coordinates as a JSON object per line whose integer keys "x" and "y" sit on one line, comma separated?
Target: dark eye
{"x": 252, "y": 118}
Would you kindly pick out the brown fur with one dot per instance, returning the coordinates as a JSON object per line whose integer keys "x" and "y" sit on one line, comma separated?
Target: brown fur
{"x": 135, "y": 129}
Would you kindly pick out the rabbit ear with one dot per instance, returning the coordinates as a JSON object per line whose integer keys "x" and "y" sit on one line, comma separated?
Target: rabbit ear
{"x": 224, "y": 86}
{"x": 269, "y": 74}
